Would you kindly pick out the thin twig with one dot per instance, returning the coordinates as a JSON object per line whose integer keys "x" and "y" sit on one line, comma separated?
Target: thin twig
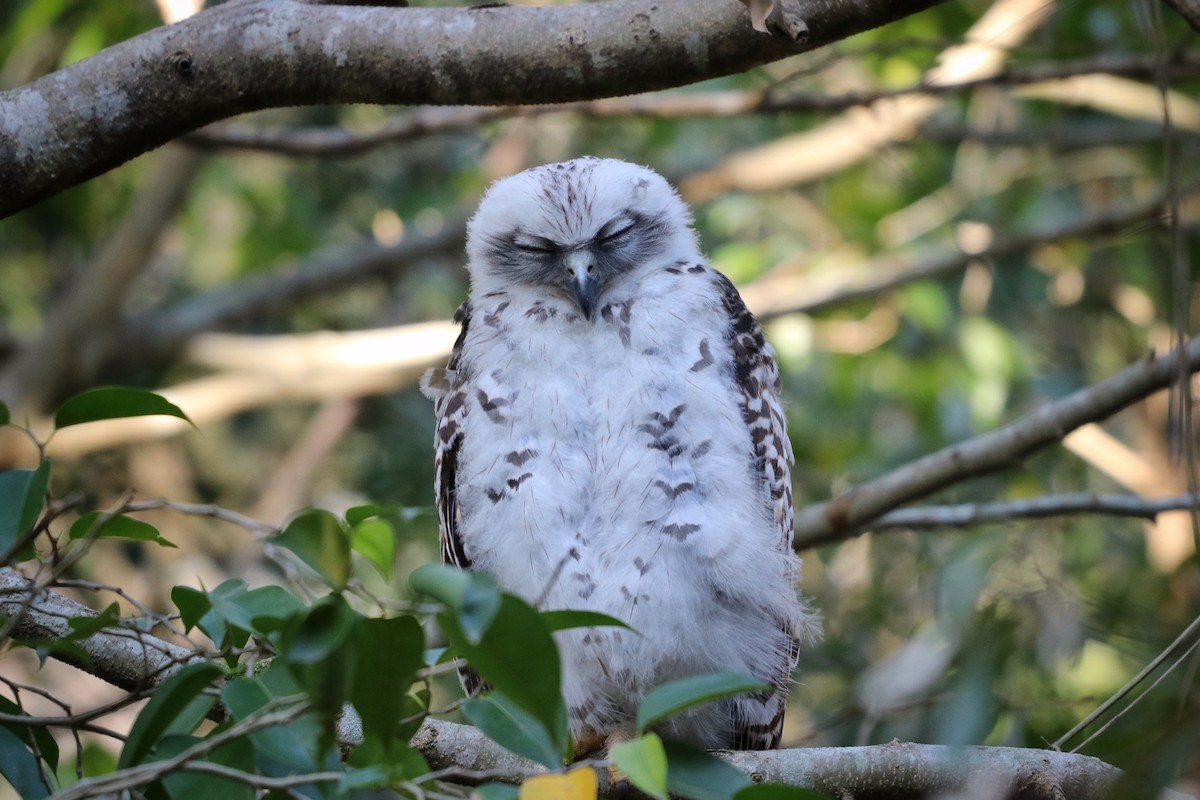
{"x": 967, "y": 514}
{"x": 1118, "y": 695}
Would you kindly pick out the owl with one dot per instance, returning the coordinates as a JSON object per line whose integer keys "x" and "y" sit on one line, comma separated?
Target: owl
{"x": 610, "y": 437}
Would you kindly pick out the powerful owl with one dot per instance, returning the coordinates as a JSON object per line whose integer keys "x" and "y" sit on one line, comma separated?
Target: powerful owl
{"x": 610, "y": 437}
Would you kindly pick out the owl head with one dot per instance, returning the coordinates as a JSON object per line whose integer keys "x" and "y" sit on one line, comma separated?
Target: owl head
{"x": 577, "y": 229}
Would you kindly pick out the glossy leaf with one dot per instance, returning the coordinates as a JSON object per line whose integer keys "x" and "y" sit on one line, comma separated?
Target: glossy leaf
{"x": 375, "y": 539}
{"x": 442, "y": 582}
{"x": 47, "y": 746}
{"x": 777, "y": 791}
{"x": 474, "y": 597}
{"x": 19, "y": 766}
{"x": 388, "y": 654}
{"x": 320, "y": 540}
{"x": 518, "y": 657}
{"x": 359, "y": 514}
{"x": 22, "y": 495}
{"x": 698, "y": 774}
{"x": 320, "y": 632}
{"x": 100, "y": 525}
{"x": 193, "y": 604}
{"x": 237, "y": 754}
{"x": 291, "y": 747}
{"x": 166, "y": 703}
{"x": 367, "y": 778}
{"x": 644, "y": 762}
{"x": 84, "y": 626}
{"x": 565, "y": 619}
{"x": 496, "y": 791}
{"x": 114, "y": 402}
{"x": 675, "y": 696}
{"x": 513, "y": 728}
{"x": 578, "y": 784}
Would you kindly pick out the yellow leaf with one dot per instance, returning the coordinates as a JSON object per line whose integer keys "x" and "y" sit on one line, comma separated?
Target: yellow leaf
{"x": 578, "y": 784}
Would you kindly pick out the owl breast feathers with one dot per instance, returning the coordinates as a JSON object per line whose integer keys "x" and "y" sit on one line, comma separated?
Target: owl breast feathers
{"x": 610, "y": 437}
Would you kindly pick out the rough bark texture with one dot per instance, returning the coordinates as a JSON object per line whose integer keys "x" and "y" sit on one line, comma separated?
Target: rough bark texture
{"x": 241, "y": 56}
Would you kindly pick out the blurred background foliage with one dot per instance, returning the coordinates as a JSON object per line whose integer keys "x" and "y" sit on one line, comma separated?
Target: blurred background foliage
{"x": 1002, "y": 634}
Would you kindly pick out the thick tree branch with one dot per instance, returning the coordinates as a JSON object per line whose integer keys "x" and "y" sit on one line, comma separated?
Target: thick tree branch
{"x": 337, "y": 141}
{"x": 100, "y": 112}
{"x": 129, "y": 659}
{"x": 1004, "y": 447}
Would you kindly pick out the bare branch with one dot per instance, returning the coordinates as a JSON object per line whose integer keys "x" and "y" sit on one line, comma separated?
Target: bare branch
{"x": 905, "y": 769}
{"x": 1189, "y": 10}
{"x": 1004, "y": 447}
{"x": 967, "y": 514}
{"x": 411, "y": 124}
{"x": 781, "y": 292}
{"x": 130, "y": 659}
{"x": 100, "y": 112}
{"x": 861, "y": 132}
{"x": 155, "y": 338}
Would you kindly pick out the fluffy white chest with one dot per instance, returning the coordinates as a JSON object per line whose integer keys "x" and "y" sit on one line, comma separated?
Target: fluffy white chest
{"x": 606, "y": 465}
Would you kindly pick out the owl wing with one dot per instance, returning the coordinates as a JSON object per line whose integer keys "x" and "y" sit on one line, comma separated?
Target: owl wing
{"x": 448, "y": 390}
{"x": 759, "y": 721}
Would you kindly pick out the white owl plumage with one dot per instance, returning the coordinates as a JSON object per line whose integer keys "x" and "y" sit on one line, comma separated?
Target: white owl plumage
{"x": 610, "y": 437}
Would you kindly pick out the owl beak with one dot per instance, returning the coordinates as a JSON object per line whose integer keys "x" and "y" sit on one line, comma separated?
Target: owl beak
{"x": 584, "y": 285}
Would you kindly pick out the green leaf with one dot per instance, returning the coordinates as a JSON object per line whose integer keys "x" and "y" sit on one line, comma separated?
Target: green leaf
{"x": 315, "y": 647}
{"x": 368, "y": 778}
{"x": 357, "y": 514}
{"x": 114, "y": 402}
{"x": 320, "y": 632}
{"x": 193, "y": 604}
{"x": 291, "y": 747}
{"x": 388, "y": 653}
{"x": 238, "y": 754}
{"x": 22, "y": 495}
{"x": 442, "y": 582}
{"x": 83, "y": 627}
{"x": 375, "y": 539}
{"x": 644, "y": 762}
{"x": 4, "y": 415}
{"x": 565, "y": 619}
{"x": 675, "y": 696}
{"x": 698, "y": 774}
{"x": 320, "y": 540}
{"x": 513, "y": 728}
{"x": 518, "y": 657}
{"x": 496, "y": 791}
{"x": 168, "y": 702}
{"x": 777, "y": 791}
{"x": 474, "y": 596}
{"x": 226, "y": 614}
{"x": 47, "y": 747}
{"x": 20, "y": 767}
{"x": 101, "y": 525}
